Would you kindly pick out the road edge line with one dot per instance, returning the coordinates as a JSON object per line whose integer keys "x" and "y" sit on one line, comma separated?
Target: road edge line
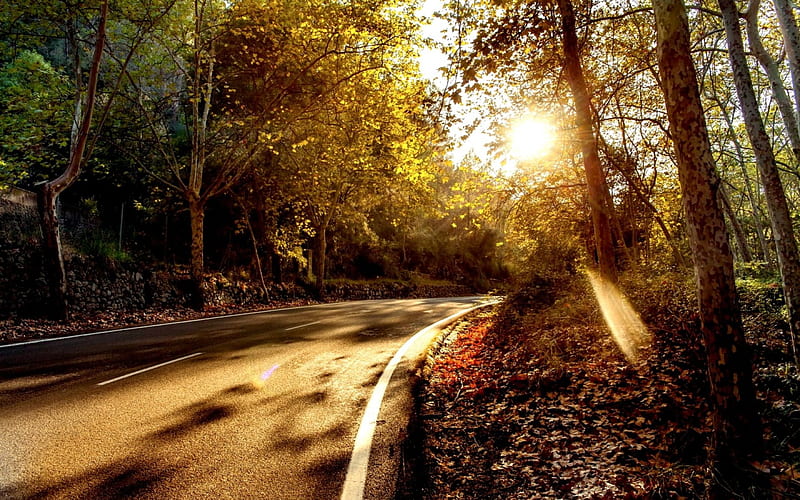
{"x": 356, "y": 478}
{"x": 154, "y": 325}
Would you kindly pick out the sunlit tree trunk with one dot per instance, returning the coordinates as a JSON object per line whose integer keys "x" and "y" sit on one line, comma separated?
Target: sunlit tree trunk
{"x": 783, "y": 233}
{"x": 49, "y": 191}
{"x": 599, "y": 198}
{"x": 737, "y": 434}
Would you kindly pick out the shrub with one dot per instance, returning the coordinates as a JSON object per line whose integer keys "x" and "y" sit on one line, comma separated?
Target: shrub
{"x": 100, "y": 245}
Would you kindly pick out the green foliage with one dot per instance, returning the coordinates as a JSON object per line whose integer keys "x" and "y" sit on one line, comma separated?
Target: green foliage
{"x": 34, "y": 119}
{"x": 101, "y": 245}
{"x": 756, "y": 270}
{"x": 760, "y": 296}
{"x": 319, "y": 119}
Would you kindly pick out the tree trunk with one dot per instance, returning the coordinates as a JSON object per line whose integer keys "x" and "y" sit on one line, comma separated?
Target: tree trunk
{"x": 319, "y": 258}
{"x": 783, "y": 233}
{"x": 201, "y": 95}
{"x": 791, "y": 43}
{"x": 277, "y": 268}
{"x": 49, "y": 191}
{"x": 738, "y": 232}
{"x": 597, "y": 189}
{"x": 737, "y": 434}
{"x": 196, "y": 219}
{"x": 751, "y": 197}
{"x": 773, "y": 75}
{"x": 51, "y": 252}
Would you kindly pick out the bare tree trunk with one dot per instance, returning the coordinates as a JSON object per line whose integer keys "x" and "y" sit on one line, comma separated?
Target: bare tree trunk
{"x": 201, "y": 93}
{"x": 737, "y": 434}
{"x": 53, "y": 258}
{"x": 785, "y": 243}
{"x": 751, "y": 197}
{"x": 196, "y": 264}
{"x": 599, "y": 197}
{"x": 773, "y": 75}
{"x": 49, "y": 191}
{"x": 738, "y": 232}
{"x": 321, "y": 250}
{"x": 791, "y": 42}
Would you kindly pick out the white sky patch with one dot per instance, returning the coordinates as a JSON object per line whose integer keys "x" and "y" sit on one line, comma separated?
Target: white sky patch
{"x": 431, "y": 61}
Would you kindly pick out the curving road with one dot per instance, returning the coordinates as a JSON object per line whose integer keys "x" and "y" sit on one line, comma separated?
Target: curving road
{"x": 258, "y": 405}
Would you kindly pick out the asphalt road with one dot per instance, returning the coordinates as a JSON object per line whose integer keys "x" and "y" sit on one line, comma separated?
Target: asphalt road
{"x": 263, "y": 405}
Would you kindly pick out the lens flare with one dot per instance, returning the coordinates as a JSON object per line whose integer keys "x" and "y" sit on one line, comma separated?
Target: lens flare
{"x": 267, "y": 374}
{"x": 626, "y": 326}
{"x": 259, "y": 382}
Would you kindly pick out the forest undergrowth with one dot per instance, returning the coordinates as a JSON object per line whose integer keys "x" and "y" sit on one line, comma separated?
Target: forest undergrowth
{"x": 533, "y": 399}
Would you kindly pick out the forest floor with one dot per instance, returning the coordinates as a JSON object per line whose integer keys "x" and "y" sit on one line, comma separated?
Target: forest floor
{"x": 534, "y": 399}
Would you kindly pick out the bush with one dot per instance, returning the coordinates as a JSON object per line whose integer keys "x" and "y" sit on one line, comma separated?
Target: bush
{"x": 101, "y": 246}
{"x": 756, "y": 271}
{"x": 666, "y": 300}
{"x": 760, "y": 295}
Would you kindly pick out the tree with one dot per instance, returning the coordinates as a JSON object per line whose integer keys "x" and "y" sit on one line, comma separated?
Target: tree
{"x": 200, "y": 151}
{"x": 737, "y": 435}
{"x": 34, "y": 118}
{"x": 49, "y": 130}
{"x": 49, "y": 191}
{"x": 785, "y": 243}
{"x": 770, "y": 67}
{"x": 791, "y": 39}
{"x": 599, "y": 198}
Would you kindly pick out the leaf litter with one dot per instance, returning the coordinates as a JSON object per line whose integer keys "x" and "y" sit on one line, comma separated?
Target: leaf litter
{"x": 542, "y": 404}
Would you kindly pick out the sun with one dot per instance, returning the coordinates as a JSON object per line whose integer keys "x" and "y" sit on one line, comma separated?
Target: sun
{"x": 531, "y": 137}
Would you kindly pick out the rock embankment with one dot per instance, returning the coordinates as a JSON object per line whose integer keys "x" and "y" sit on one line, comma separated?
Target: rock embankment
{"x": 102, "y": 286}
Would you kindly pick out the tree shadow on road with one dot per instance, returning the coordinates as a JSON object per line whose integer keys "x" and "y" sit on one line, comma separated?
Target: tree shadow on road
{"x": 126, "y": 478}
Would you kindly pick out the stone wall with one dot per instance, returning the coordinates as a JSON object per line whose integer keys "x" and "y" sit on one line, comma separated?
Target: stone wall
{"x": 23, "y": 288}
{"x": 101, "y": 285}
{"x": 97, "y": 285}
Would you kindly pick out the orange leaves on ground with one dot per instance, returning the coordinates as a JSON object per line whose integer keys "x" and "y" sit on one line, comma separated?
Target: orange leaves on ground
{"x": 463, "y": 369}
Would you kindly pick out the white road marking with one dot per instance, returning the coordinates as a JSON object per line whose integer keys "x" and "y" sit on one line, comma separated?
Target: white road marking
{"x": 356, "y": 477}
{"x": 137, "y": 372}
{"x": 302, "y": 326}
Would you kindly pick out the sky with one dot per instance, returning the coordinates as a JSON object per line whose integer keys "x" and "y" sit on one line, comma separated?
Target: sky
{"x": 431, "y": 60}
